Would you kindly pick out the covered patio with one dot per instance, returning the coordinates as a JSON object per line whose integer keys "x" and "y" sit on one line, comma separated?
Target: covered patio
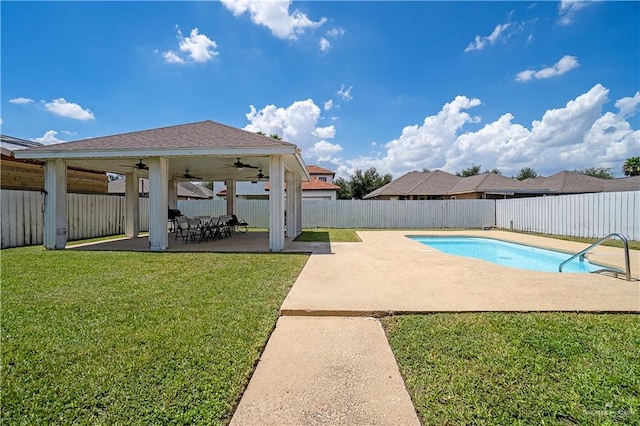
{"x": 202, "y": 151}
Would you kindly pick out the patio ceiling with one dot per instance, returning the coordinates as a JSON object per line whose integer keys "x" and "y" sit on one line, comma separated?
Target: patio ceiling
{"x": 205, "y": 149}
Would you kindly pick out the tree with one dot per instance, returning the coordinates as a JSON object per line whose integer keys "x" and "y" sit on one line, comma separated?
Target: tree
{"x": 275, "y": 136}
{"x": 471, "y": 171}
{"x": 496, "y": 171}
{"x": 361, "y": 183}
{"x": 344, "y": 193}
{"x": 598, "y": 172}
{"x": 425, "y": 170}
{"x": 631, "y": 167}
{"x": 526, "y": 173}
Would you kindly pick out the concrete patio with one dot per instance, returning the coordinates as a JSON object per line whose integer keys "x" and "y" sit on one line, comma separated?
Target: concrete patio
{"x": 249, "y": 242}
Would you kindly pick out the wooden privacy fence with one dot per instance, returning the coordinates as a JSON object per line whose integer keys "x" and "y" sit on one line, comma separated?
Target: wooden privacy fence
{"x": 586, "y": 215}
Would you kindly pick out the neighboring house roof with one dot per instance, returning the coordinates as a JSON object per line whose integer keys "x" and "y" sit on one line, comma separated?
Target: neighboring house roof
{"x": 439, "y": 183}
{"x": 317, "y": 170}
{"x": 314, "y": 184}
{"x": 8, "y": 144}
{"x": 317, "y": 184}
{"x": 491, "y": 183}
{"x": 418, "y": 183}
{"x": 185, "y": 189}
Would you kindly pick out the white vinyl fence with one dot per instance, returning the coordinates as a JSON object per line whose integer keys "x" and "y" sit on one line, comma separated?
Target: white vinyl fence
{"x": 361, "y": 214}
{"x": 587, "y": 215}
{"x": 584, "y": 215}
{"x": 88, "y": 216}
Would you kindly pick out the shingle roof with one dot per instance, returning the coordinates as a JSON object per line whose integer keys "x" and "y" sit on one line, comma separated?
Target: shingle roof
{"x": 488, "y": 182}
{"x": 8, "y": 144}
{"x": 418, "y": 183}
{"x": 203, "y": 134}
{"x": 440, "y": 183}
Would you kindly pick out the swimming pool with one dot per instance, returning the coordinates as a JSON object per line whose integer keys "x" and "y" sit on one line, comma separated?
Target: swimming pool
{"x": 506, "y": 254}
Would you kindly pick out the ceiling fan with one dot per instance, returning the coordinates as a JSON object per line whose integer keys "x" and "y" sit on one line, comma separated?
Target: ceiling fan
{"x": 138, "y": 166}
{"x": 186, "y": 175}
{"x": 240, "y": 165}
{"x": 260, "y": 175}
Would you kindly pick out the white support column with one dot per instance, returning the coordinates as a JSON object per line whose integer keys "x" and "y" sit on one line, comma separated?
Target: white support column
{"x": 131, "y": 205}
{"x": 276, "y": 203}
{"x": 173, "y": 194}
{"x": 298, "y": 202}
{"x": 158, "y": 203}
{"x": 291, "y": 205}
{"x": 231, "y": 196}
{"x": 55, "y": 207}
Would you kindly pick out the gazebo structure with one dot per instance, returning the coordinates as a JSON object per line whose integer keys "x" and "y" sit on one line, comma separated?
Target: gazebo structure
{"x": 204, "y": 150}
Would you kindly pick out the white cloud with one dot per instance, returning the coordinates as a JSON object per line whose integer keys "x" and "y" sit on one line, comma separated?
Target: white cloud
{"x": 48, "y": 138}
{"x": 575, "y": 136}
{"x": 20, "y": 101}
{"x": 480, "y": 43}
{"x": 172, "y": 58}
{"x": 345, "y": 94}
{"x": 328, "y": 132}
{"x": 68, "y": 109}
{"x": 328, "y": 105}
{"x": 325, "y": 44}
{"x": 568, "y": 9}
{"x": 627, "y": 106}
{"x": 274, "y": 14}
{"x": 335, "y": 32}
{"x": 197, "y": 48}
{"x": 324, "y": 151}
{"x": 298, "y": 124}
{"x": 565, "y": 64}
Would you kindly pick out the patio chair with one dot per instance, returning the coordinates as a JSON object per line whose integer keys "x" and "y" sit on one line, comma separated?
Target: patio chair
{"x": 238, "y": 225}
{"x": 221, "y": 227}
{"x": 188, "y": 228}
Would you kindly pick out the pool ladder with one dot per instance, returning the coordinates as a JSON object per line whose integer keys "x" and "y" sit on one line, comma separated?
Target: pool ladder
{"x": 615, "y": 272}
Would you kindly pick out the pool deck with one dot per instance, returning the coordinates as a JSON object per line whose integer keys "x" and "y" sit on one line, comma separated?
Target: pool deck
{"x": 328, "y": 361}
{"x": 389, "y": 273}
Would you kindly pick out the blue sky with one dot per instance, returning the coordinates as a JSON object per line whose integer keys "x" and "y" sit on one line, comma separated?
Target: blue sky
{"x": 399, "y": 86}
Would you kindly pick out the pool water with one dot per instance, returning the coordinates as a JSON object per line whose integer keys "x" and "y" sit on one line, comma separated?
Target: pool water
{"x": 506, "y": 254}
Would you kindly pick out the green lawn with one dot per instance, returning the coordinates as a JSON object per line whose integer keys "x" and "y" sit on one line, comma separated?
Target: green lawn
{"x": 142, "y": 338}
{"x": 328, "y": 235}
{"x": 520, "y": 369}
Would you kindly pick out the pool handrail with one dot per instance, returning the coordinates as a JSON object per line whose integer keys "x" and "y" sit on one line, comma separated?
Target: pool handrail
{"x": 627, "y": 262}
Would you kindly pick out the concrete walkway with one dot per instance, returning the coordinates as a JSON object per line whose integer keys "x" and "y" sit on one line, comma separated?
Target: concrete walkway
{"x": 328, "y": 361}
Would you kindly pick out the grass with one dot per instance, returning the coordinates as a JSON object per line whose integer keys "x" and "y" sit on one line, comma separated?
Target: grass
{"x": 520, "y": 369}
{"x": 332, "y": 235}
{"x": 134, "y": 338}
{"x": 633, "y": 245}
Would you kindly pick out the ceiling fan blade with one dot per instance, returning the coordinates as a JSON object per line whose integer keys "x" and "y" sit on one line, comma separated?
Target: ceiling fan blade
{"x": 187, "y": 175}
{"x": 240, "y": 165}
{"x": 138, "y": 166}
